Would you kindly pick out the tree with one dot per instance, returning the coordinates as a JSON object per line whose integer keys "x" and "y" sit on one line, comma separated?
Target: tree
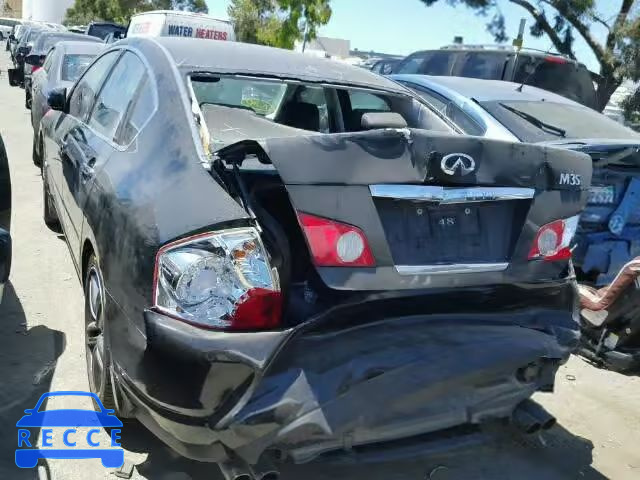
{"x": 561, "y": 20}
{"x": 84, "y": 11}
{"x": 277, "y": 23}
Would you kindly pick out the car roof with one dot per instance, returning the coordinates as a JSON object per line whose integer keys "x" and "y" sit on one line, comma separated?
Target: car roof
{"x": 484, "y": 90}
{"x": 65, "y": 36}
{"x": 246, "y": 59}
{"x": 504, "y": 49}
{"x": 80, "y": 47}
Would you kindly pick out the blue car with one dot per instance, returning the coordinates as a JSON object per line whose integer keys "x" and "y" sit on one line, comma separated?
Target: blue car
{"x": 71, "y": 419}
{"x": 607, "y": 250}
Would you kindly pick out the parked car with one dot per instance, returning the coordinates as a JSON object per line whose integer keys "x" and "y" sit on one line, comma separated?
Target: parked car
{"x": 258, "y": 267}
{"x": 102, "y": 30}
{"x": 608, "y": 239}
{"x": 6, "y": 27}
{"x": 553, "y": 72}
{"x": 64, "y": 64}
{"x": 22, "y": 49}
{"x": 5, "y": 219}
{"x": 41, "y": 47}
{"x": 14, "y": 38}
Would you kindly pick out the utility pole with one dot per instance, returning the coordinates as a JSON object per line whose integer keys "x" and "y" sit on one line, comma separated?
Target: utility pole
{"x": 306, "y": 29}
{"x": 518, "y": 42}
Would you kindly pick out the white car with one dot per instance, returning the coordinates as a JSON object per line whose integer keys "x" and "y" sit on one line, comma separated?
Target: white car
{"x": 6, "y": 26}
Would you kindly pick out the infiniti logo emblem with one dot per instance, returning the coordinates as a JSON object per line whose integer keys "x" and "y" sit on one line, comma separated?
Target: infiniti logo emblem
{"x": 459, "y": 164}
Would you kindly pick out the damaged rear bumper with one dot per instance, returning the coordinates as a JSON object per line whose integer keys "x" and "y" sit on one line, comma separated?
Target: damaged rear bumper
{"x": 321, "y": 387}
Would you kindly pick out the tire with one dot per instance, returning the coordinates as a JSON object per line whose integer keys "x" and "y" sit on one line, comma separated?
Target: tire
{"x": 27, "y": 100}
{"x": 49, "y": 214}
{"x": 37, "y": 160}
{"x": 97, "y": 351}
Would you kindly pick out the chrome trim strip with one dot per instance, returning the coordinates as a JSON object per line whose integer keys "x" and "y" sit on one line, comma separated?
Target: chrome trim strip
{"x": 450, "y": 268}
{"x": 450, "y": 195}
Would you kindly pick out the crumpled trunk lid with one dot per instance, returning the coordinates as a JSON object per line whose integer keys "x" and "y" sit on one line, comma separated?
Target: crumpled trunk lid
{"x": 432, "y": 204}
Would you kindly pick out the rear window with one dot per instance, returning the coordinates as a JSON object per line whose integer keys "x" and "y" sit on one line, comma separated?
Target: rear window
{"x": 560, "y": 121}
{"x": 5, "y": 22}
{"x": 236, "y": 109}
{"x": 74, "y": 65}
{"x": 437, "y": 62}
{"x": 472, "y": 64}
{"x": 569, "y": 79}
{"x": 45, "y": 42}
{"x": 103, "y": 31}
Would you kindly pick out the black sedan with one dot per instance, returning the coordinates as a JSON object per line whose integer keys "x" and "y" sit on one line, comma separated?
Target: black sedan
{"x": 286, "y": 254}
{"x": 64, "y": 64}
{"x": 5, "y": 218}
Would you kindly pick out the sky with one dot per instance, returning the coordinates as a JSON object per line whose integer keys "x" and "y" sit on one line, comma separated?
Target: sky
{"x": 404, "y": 26}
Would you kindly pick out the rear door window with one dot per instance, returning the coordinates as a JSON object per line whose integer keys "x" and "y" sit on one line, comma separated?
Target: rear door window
{"x": 85, "y": 92}
{"x": 118, "y": 93}
{"x": 139, "y": 112}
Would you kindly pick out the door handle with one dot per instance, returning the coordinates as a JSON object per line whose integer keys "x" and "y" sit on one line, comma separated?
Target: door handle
{"x": 86, "y": 169}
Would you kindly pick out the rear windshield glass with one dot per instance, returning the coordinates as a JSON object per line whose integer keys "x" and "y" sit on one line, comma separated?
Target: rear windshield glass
{"x": 546, "y": 121}
{"x": 74, "y": 65}
{"x": 568, "y": 79}
{"x": 240, "y": 108}
{"x": 472, "y": 64}
{"x": 6, "y": 22}
{"x": 428, "y": 63}
{"x": 103, "y": 31}
{"x": 45, "y": 42}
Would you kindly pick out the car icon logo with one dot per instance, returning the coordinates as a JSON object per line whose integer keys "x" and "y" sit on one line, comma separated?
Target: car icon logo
{"x": 459, "y": 164}
{"x": 69, "y": 420}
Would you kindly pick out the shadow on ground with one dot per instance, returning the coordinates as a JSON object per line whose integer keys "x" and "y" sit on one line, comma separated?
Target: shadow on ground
{"x": 27, "y": 362}
{"x": 497, "y": 453}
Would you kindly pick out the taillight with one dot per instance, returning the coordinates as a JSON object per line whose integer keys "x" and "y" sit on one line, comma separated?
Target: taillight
{"x": 555, "y": 59}
{"x": 35, "y": 68}
{"x": 335, "y": 244}
{"x": 219, "y": 280}
{"x": 553, "y": 240}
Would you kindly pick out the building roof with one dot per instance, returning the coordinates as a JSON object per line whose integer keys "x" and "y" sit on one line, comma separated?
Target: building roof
{"x": 241, "y": 58}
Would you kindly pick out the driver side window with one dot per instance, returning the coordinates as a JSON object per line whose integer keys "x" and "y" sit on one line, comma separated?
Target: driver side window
{"x": 85, "y": 92}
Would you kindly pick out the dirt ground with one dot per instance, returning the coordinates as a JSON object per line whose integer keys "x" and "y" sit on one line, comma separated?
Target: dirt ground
{"x": 41, "y": 349}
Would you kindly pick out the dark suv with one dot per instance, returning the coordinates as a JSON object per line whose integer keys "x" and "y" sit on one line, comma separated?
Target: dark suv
{"x": 553, "y": 72}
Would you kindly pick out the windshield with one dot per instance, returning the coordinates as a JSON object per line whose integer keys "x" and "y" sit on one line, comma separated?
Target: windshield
{"x": 545, "y": 121}
{"x": 237, "y": 108}
{"x": 74, "y": 65}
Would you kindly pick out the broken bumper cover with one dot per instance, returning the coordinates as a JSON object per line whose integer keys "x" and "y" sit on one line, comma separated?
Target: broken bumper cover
{"x": 318, "y": 388}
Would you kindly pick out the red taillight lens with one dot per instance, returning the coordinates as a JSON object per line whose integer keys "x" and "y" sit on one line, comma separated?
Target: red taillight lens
{"x": 35, "y": 68}
{"x": 335, "y": 244}
{"x": 552, "y": 59}
{"x": 553, "y": 240}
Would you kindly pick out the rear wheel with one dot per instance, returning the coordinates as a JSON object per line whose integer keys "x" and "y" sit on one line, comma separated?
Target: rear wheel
{"x": 49, "y": 213}
{"x": 97, "y": 350}
{"x": 35, "y": 156}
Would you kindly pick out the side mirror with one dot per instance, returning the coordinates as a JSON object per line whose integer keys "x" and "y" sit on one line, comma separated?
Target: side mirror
{"x": 12, "y": 37}
{"x": 375, "y": 120}
{"x": 14, "y": 77}
{"x": 57, "y": 99}
{"x": 33, "y": 60}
